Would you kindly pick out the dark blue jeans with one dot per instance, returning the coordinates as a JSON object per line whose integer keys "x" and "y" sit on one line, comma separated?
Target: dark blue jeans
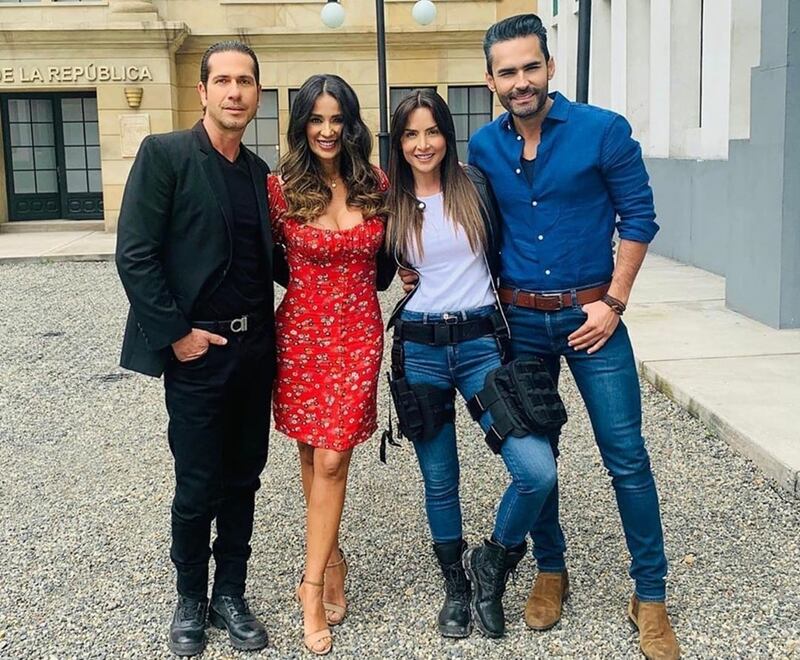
{"x": 609, "y": 385}
{"x": 529, "y": 459}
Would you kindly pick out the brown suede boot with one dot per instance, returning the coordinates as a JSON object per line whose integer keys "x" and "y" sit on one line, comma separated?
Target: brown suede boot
{"x": 656, "y": 638}
{"x": 543, "y": 609}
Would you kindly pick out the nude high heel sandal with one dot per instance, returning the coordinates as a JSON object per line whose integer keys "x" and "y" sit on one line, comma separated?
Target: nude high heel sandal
{"x": 321, "y": 641}
{"x": 335, "y": 613}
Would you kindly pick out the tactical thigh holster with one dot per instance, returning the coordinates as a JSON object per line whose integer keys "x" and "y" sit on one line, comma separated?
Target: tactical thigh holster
{"x": 421, "y": 409}
{"x": 521, "y": 398}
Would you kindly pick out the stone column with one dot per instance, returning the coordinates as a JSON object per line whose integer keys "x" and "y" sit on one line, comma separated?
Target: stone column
{"x": 660, "y": 74}
{"x": 763, "y": 270}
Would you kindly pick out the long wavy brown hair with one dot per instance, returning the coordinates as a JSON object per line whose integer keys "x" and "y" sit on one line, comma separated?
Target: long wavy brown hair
{"x": 304, "y": 185}
{"x": 462, "y": 203}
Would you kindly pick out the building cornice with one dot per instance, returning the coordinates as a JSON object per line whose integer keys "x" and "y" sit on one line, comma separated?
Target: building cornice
{"x": 356, "y": 38}
{"x": 26, "y": 36}
{"x": 177, "y": 36}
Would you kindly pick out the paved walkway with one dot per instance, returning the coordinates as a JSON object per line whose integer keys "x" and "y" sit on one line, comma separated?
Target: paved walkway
{"x": 737, "y": 375}
{"x": 59, "y": 245}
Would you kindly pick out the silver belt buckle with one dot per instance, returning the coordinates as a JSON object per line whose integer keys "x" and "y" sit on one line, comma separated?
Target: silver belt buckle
{"x": 450, "y": 319}
{"x": 239, "y": 325}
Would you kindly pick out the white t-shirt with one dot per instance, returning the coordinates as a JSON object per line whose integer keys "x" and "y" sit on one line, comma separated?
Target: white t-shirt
{"x": 452, "y": 277}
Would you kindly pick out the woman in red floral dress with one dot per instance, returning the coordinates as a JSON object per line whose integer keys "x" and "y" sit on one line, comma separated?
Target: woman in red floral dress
{"x": 326, "y": 210}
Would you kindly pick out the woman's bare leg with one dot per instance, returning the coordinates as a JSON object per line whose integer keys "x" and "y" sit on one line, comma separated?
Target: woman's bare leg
{"x": 307, "y": 476}
{"x": 306, "y": 453}
{"x": 334, "y": 576}
{"x": 325, "y": 503}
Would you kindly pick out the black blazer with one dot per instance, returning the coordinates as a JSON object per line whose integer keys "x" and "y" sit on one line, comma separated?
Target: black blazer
{"x": 173, "y": 236}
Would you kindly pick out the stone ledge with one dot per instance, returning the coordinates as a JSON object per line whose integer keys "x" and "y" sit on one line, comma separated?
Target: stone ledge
{"x": 776, "y": 467}
{"x": 51, "y": 258}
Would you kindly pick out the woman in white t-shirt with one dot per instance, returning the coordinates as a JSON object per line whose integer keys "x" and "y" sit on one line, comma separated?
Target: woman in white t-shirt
{"x": 449, "y": 333}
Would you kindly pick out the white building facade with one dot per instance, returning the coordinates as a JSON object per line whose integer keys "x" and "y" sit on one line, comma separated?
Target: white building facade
{"x": 679, "y": 70}
{"x": 712, "y": 90}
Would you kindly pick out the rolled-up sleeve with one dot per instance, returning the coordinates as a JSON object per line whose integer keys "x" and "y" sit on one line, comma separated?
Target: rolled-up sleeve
{"x": 628, "y": 183}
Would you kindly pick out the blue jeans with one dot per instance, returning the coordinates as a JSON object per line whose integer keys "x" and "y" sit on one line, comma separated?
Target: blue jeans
{"x": 609, "y": 385}
{"x": 529, "y": 459}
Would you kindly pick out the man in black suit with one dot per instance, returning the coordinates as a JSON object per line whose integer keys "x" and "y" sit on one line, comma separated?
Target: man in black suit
{"x": 194, "y": 254}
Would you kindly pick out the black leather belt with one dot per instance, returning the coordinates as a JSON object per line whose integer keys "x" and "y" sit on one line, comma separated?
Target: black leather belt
{"x": 235, "y": 326}
{"x": 442, "y": 333}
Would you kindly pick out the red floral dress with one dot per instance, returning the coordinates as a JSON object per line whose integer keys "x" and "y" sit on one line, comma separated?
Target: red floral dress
{"x": 329, "y": 332}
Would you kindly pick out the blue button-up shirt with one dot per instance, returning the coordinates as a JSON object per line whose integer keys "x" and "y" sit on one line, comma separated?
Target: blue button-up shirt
{"x": 589, "y": 178}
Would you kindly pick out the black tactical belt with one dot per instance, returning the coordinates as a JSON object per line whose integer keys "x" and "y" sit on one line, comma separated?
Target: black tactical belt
{"x": 442, "y": 333}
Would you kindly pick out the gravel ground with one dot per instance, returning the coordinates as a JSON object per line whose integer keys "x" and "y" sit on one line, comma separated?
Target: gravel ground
{"x": 86, "y": 482}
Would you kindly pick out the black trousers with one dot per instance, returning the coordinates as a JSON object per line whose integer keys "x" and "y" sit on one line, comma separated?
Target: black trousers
{"x": 219, "y": 408}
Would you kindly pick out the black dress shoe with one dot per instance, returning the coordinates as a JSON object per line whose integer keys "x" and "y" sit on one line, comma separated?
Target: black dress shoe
{"x": 187, "y": 632}
{"x": 233, "y": 614}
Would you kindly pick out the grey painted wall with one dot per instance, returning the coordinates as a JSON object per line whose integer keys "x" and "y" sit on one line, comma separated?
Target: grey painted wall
{"x": 692, "y": 205}
{"x": 790, "y": 241}
{"x": 741, "y": 218}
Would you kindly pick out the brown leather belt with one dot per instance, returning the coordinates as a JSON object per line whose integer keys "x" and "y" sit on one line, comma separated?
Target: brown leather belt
{"x": 551, "y": 302}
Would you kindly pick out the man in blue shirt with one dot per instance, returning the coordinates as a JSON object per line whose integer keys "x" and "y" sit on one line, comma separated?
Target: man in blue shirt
{"x": 566, "y": 175}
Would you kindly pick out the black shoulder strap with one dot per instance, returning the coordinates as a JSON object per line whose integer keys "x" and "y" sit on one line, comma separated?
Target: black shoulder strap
{"x": 398, "y": 355}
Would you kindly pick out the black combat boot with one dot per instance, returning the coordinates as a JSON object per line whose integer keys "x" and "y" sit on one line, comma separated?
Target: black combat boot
{"x": 187, "y": 632}
{"x": 488, "y": 567}
{"x": 454, "y": 618}
{"x": 232, "y": 613}
{"x": 514, "y": 556}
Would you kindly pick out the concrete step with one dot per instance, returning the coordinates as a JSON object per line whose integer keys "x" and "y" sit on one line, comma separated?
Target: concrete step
{"x": 27, "y": 226}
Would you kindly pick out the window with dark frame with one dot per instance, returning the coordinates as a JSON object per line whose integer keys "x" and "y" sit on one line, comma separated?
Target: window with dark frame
{"x": 33, "y": 146}
{"x": 471, "y": 107}
{"x": 397, "y": 94}
{"x": 261, "y": 134}
{"x": 81, "y": 145}
{"x": 292, "y": 96}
